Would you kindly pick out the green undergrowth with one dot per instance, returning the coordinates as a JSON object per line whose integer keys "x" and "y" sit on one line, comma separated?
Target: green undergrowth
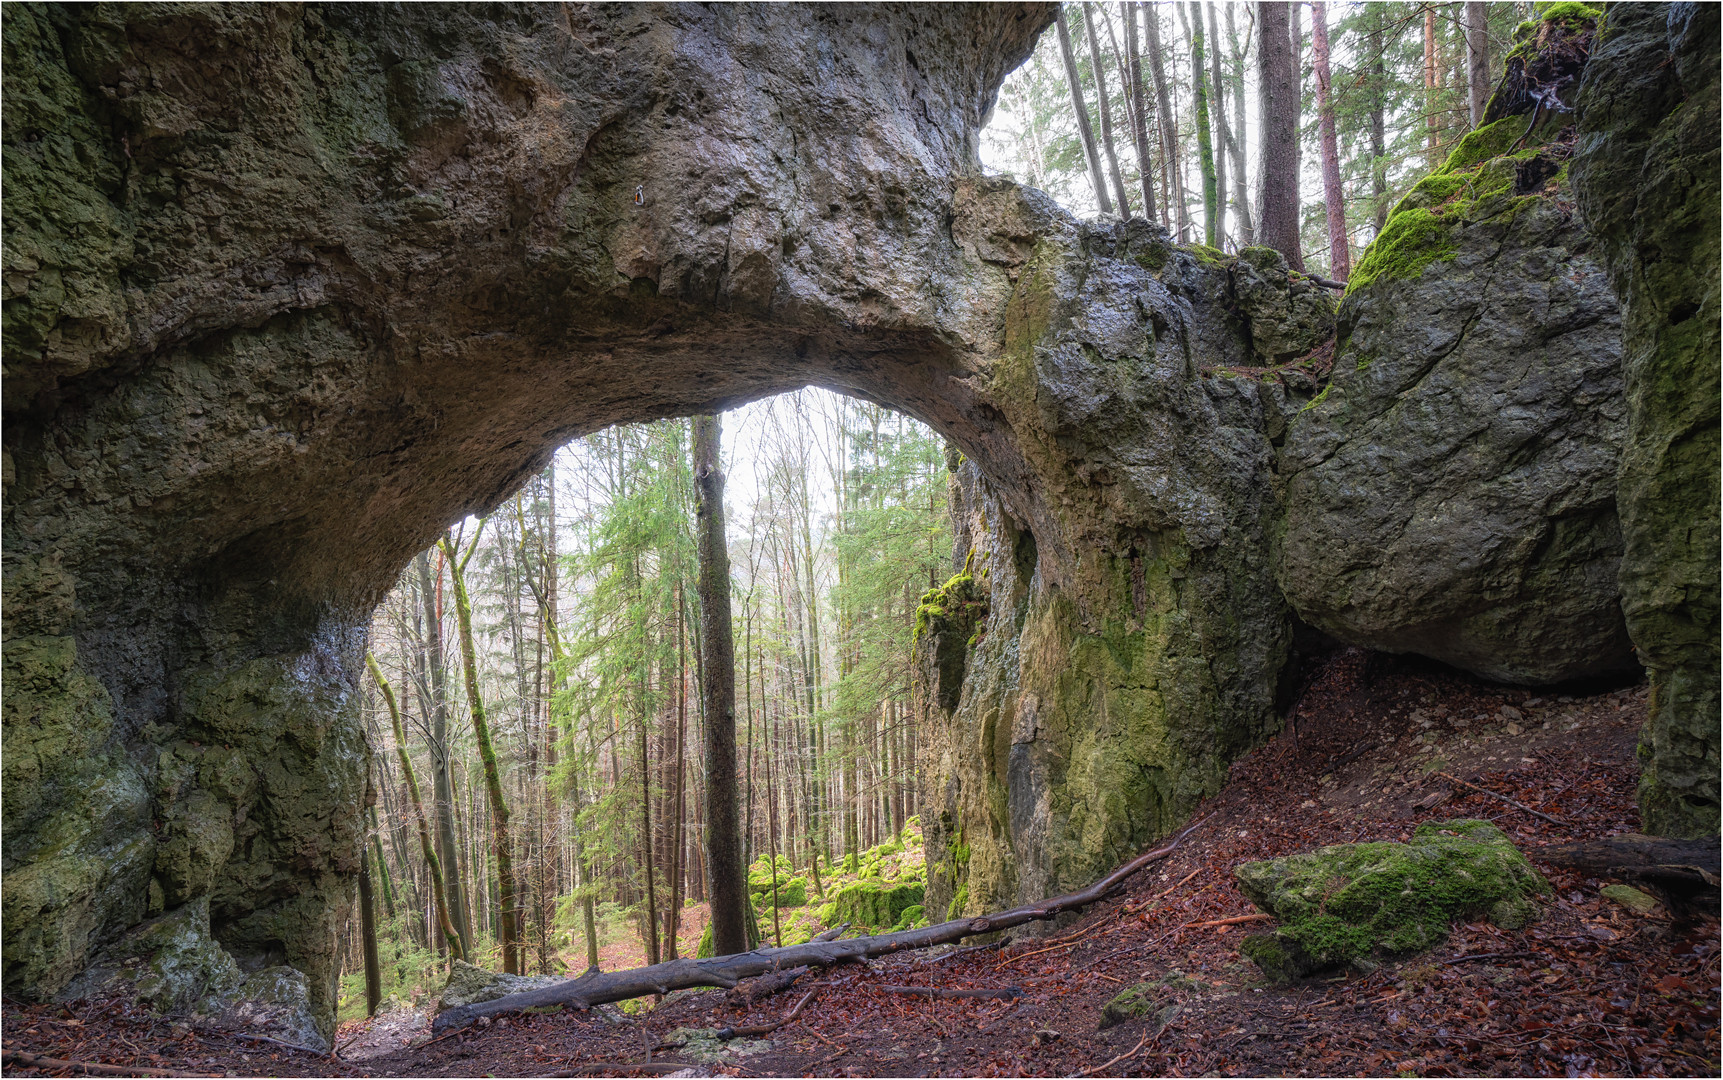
{"x": 874, "y": 891}
{"x": 1340, "y": 904}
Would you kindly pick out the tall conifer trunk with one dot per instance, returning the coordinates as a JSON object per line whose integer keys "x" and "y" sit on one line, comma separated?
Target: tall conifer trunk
{"x": 1205, "y": 146}
{"x": 1139, "y": 109}
{"x": 1278, "y": 218}
{"x": 508, "y": 914}
{"x": 1106, "y": 112}
{"x": 1237, "y": 136}
{"x": 1339, "y": 252}
{"x": 726, "y": 878}
{"x": 1084, "y": 131}
{"x": 1477, "y": 58}
{"x": 1173, "y": 184}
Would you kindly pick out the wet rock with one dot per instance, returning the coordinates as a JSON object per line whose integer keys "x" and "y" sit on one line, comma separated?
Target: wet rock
{"x": 1345, "y": 902}
{"x": 469, "y": 984}
{"x": 276, "y": 1003}
{"x": 1288, "y": 313}
{"x": 1646, "y": 176}
{"x": 1455, "y": 483}
{"x": 169, "y": 964}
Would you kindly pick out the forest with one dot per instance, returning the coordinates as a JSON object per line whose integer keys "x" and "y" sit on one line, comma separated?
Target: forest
{"x": 572, "y": 616}
{"x": 1083, "y": 539}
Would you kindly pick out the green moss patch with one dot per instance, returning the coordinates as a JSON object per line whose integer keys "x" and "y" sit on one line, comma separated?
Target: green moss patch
{"x": 1340, "y": 904}
{"x": 875, "y": 905}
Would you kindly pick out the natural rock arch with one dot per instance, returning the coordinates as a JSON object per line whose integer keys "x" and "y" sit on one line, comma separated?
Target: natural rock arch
{"x": 289, "y": 289}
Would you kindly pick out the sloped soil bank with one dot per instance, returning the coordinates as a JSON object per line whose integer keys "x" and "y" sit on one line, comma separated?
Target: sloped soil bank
{"x": 1590, "y": 989}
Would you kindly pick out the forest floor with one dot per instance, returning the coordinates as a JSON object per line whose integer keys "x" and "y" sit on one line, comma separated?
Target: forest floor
{"x": 1589, "y": 989}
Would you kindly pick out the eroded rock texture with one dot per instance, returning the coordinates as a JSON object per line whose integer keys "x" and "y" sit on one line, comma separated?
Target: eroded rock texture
{"x": 1647, "y": 177}
{"x": 1452, "y": 492}
{"x": 288, "y": 288}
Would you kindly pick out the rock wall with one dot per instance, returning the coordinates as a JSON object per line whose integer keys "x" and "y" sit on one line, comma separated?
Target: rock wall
{"x": 1647, "y": 178}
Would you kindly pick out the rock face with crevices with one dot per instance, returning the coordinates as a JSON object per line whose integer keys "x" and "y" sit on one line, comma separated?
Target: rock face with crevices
{"x": 1452, "y": 492}
{"x": 1646, "y": 174}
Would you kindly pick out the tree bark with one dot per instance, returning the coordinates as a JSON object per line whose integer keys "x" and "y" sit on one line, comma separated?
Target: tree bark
{"x": 727, "y": 971}
{"x": 1478, "y": 57}
{"x": 1084, "y": 131}
{"x": 1238, "y": 135}
{"x": 368, "y": 940}
{"x": 442, "y": 764}
{"x": 508, "y": 922}
{"x": 1217, "y": 110}
{"x": 1378, "y": 121}
{"x": 1205, "y": 145}
{"x": 1339, "y": 253}
{"x": 725, "y": 874}
{"x": 1432, "y": 123}
{"x": 1174, "y": 184}
{"x": 1106, "y": 112}
{"x": 457, "y": 943}
{"x": 1139, "y": 110}
{"x": 1277, "y": 217}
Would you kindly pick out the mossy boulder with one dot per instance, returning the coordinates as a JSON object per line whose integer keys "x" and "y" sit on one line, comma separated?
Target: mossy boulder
{"x": 1456, "y": 480}
{"x": 791, "y": 892}
{"x": 872, "y": 904}
{"x": 1646, "y": 177}
{"x": 168, "y": 964}
{"x": 1288, "y": 313}
{"x": 1343, "y": 903}
{"x": 946, "y": 624}
{"x": 912, "y": 916}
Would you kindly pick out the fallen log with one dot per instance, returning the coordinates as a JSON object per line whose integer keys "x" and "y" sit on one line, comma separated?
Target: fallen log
{"x": 754, "y": 990}
{"x": 595, "y": 988}
{"x": 1684, "y": 872}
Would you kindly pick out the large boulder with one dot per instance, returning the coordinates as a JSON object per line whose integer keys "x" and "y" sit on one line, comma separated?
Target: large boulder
{"x": 1646, "y": 176}
{"x": 1452, "y": 492}
{"x": 1342, "y": 903}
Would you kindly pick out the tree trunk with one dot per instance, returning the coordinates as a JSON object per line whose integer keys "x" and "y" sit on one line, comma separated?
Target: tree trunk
{"x": 1378, "y": 121}
{"x": 1174, "y": 184}
{"x": 1082, "y": 112}
{"x": 368, "y": 940}
{"x": 1295, "y": 43}
{"x": 1277, "y": 219}
{"x": 442, "y": 789}
{"x": 1478, "y": 57}
{"x": 507, "y": 912}
{"x": 457, "y": 943}
{"x": 678, "y": 867}
{"x": 1139, "y": 110}
{"x": 1106, "y": 112}
{"x": 1237, "y": 137}
{"x": 1432, "y": 123}
{"x": 1339, "y": 254}
{"x": 1205, "y": 146}
{"x": 1217, "y": 109}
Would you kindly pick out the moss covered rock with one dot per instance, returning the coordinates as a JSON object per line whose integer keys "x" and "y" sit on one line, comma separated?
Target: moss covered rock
{"x": 872, "y": 904}
{"x": 1288, "y": 313}
{"x": 1646, "y": 175}
{"x": 791, "y": 892}
{"x": 1456, "y": 481}
{"x": 1342, "y": 903}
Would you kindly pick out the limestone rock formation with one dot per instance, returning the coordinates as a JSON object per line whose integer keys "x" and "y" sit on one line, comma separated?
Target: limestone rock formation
{"x": 1288, "y": 314}
{"x": 1452, "y": 492}
{"x": 1339, "y": 904}
{"x": 468, "y": 984}
{"x": 1647, "y": 178}
{"x": 287, "y": 289}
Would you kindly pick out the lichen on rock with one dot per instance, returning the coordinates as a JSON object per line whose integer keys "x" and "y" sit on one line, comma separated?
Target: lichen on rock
{"x": 1342, "y": 903}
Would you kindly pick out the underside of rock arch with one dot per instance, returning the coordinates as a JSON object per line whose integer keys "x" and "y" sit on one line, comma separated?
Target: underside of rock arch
{"x": 290, "y": 288}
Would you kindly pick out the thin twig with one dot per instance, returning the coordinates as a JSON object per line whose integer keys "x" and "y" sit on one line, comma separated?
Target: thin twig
{"x": 1129, "y": 1053}
{"x": 1007, "y": 992}
{"x": 1256, "y": 916}
{"x": 1504, "y": 798}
